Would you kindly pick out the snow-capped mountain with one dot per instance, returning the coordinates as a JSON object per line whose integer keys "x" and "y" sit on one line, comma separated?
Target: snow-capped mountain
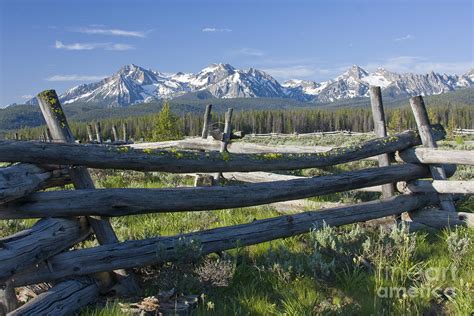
{"x": 355, "y": 82}
{"x": 133, "y": 84}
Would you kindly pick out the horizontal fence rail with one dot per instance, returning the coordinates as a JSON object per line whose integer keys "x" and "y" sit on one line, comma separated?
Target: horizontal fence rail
{"x": 120, "y": 202}
{"x": 97, "y": 156}
{"x": 135, "y": 253}
{"x": 437, "y": 156}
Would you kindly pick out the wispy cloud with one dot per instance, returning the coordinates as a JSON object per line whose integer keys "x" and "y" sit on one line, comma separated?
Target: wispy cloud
{"x": 91, "y": 46}
{"x": 110, "y": 32}
{"x": 74, "y": 78}
{"x": 215, "y": 29}
{"x": 27, "y": 96}
{"x": 404, "y": 38}
{"x": 250, "y": 52}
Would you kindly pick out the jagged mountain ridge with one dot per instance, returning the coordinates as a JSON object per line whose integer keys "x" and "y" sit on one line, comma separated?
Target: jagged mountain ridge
{"x": 133, "y": 84}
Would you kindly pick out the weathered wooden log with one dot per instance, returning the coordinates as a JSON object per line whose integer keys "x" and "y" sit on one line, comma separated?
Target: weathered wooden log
{"x": 436, "y": 186}
{"x": 380, "y": 129}
{"x": 207, "y": 121}
{"x": 44, "y": 239}
{"x": 120, "y": 202}
{"x": 124, "y": 132}
{"x": 115, "y": 133}
{"x": 438, "y": 219}
{"x": 98, "y": 132}
{"x": 258, "y": 177}
{"x": 437, "y": 156}
{"x": 89, "y": 133}
{"x": 56, "y": 120}
{"x": 20, "y": 180}
{"x": 96, "y": 156}
{"x": 423, "y": 122}
{"x": 57, "y": 123}
{"x": 227, "y": 130}
{"x": 63, "y": 299}
{"x": 195, "y": 143}
{"x": 190, "y": 246}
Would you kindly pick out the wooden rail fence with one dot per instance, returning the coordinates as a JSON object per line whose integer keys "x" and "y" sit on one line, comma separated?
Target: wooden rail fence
{"x": 42, "y": 253}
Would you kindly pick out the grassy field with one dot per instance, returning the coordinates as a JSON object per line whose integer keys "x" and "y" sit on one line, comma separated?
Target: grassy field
{"x": 348, "y": 270}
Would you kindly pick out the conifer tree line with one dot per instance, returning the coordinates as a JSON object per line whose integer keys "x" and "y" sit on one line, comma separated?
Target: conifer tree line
{"x": 166, "y": 125}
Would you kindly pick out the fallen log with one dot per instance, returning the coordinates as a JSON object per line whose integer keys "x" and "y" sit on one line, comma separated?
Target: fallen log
{"x": 436, "y": 186}
{"x": 44, "y": 239}
{"x": 190, "y": 246}
{"x": 22, "y": 179}
{"x": 120, "y": 202}
{"x": 63, "y": 299}
{"x": 437, "y": 156}
{"x": 108, "y": 157}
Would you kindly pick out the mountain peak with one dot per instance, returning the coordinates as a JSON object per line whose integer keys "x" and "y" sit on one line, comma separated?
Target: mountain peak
{"x": 133, "y": 84}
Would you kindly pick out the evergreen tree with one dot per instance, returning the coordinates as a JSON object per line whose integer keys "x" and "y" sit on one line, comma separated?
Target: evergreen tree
{"x": 166, "y": 125}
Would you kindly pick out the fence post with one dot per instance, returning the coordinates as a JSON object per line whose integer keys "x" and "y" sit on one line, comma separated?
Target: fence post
{"x": 98, "y": 132}
{"x": 124, "y": 131}
{"x": 61, "y": 132}
{"x": 227, "y": 130}
{"x": 207, "y": 120}
{"x": 388, "y": 190}
{"x": 437, "y": 171}
{"x": 225, "y": 139}
{"x": 114, "y": 133}
{"x": 89, "y": 133}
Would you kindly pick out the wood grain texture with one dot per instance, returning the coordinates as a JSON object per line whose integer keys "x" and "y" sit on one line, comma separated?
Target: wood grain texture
{"x": 428, "y": 140}
{"x": 193, "y": 245}
{"x": 120, "y": 202}
{"x": 207, "y": 121}
{"x": 437, "y": 186}
{"x": 20, "y": 180}
{"x": 437, "y": 156}
{"x": 97, "y": 156}
{"x": 61, "y": 132}
{"x": 439, "y": 219}
{"x": 44, "y": 239}
{"x": 380, "y": 129}
{"x": 62, "y": 299}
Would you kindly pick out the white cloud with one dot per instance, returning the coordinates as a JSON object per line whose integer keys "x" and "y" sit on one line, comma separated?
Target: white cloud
{"x": 111, "y": 32}
{"x": 74, "y": 78}
{"x": 420, "y": 65}
{"x": 76, "y": 46}
{"x": 250, "y": 52}
{"x": 119, "y": 47}
{"x": 404, "y": 38}
{"x": 91, "y": 46}
{"x": 27, "y": 96}
{"x": 215, "y": 29}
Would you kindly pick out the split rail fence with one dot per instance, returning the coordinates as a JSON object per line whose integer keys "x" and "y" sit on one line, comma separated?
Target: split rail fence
{"x": 43, "y": 252}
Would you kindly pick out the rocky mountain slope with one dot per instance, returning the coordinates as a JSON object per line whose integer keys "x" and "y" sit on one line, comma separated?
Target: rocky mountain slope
{"x": 133, "y": 84}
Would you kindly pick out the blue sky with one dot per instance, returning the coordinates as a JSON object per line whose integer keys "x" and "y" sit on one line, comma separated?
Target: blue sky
{"x": 59, "y": 44}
